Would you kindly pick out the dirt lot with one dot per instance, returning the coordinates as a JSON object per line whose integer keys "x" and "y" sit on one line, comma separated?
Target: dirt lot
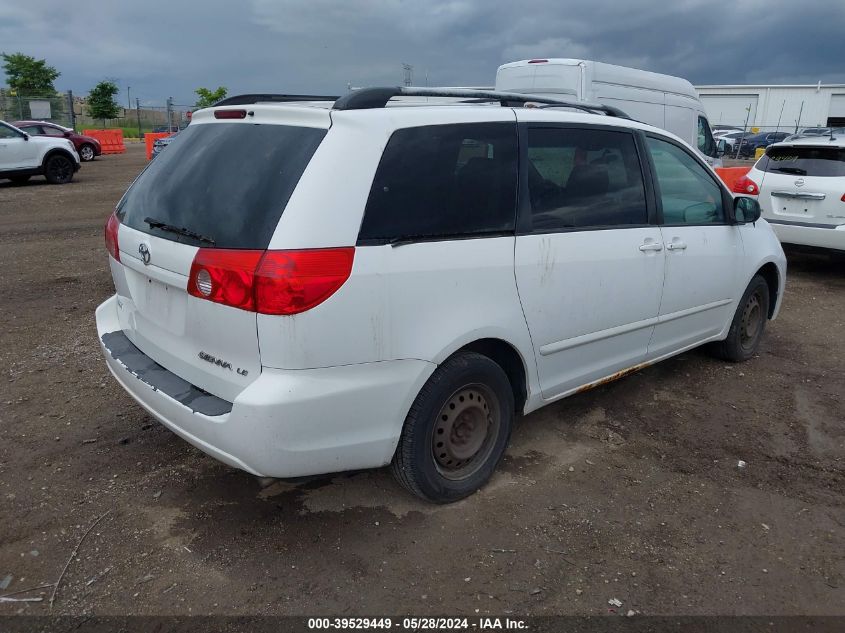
{"x": 631, "y": 491}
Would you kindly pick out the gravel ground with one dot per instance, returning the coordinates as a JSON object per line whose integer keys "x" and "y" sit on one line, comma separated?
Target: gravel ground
{"x": 629, "y": 492}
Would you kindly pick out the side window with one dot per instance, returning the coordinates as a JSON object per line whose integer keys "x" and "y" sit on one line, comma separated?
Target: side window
{"x": 7, "y": 132}
{"x": 52, "y": 131}
{"x": 32, "y": 129}
{"x": 444, "y": 181}
{"x": 579, "y": 178}
{"x": 687, "y": 192}
{"x": 706, "y": 144}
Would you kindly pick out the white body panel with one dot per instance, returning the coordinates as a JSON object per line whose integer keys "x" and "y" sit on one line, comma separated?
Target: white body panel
{"x": 666, "y": 102}
{"x": 328, "y": 389}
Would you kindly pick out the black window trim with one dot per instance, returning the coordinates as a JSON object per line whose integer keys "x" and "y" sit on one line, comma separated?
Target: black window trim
{"x": 446, "y": 237}
{"x": 523, "y": 221}
{"x": 727, "y": 198}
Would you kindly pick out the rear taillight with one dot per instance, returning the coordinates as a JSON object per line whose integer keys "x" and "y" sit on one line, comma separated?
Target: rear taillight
{"x": 271, "y": 282}
{"x": 843, "y": 197}
{"x": 225, "y": 276}
{"x": 746, "y": 186}
{"x": 112, "y": 225}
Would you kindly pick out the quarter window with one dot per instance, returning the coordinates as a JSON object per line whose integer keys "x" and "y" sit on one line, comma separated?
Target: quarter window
{"x": 687, "y": 192}
{"x": 52, "y": 131}
{"x": 7, "y": 132}
{"x": 706, "y": 144}
{"x": 579, "y": 178}
{"x": 443, "y": 181}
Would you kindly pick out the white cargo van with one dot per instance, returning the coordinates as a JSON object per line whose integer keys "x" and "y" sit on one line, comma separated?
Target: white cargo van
{"x": 663, "y": 101}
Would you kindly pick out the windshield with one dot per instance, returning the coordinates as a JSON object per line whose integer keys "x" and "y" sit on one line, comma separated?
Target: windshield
{"x": 804, "y": 161}
{"x": 228, "y": 182}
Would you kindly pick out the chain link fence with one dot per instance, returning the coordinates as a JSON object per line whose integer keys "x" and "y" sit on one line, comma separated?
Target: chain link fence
{"x": 56, "y": 107}
{"x": 63, "y": 108}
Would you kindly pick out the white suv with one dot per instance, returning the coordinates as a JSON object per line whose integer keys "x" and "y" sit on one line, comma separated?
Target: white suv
{"x": 23, "y": 156}
{"x": 800, "y": 185}
{"x": 306, "y": 289}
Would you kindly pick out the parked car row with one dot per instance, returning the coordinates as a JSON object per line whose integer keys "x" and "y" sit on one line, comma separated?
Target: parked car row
{"x": 23, "y": 155}
{"x": 87, "y": 147}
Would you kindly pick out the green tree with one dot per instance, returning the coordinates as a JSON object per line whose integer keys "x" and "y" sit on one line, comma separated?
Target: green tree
{"x": 101, "y": 103}
{"x": 210, "y": 97}
{"x": 29, "y": 75}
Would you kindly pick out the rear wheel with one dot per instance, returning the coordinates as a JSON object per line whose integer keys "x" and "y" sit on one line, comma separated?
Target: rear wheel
{"x": 58, "y": 169}
{"x": 19, "y": 180}
{"x": 86, "y": 153}
{"x": 457, "y": 429}
{"x": 748, "y": 323}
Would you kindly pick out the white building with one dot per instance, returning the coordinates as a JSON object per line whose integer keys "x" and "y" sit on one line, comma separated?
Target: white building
{"x": 775, "y": 107}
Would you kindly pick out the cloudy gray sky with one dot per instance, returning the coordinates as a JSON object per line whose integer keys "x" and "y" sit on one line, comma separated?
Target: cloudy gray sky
{"x": 170, "y": 47}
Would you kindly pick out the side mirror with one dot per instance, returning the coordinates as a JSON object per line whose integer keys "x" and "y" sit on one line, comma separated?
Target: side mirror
{"x": 746, "y": 210}
{"x": 67, "y": 134}
{"x": 721, "y": 148}
{"x": 25, "y": 136}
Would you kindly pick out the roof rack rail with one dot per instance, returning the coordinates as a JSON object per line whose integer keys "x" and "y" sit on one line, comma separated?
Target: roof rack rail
{"x": 273, "y": 98}
{"x": 369, "y": 98}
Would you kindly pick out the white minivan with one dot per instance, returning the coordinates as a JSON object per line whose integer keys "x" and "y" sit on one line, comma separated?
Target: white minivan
{"x": 312, "y": 288}
{"x": 670, "y": 103}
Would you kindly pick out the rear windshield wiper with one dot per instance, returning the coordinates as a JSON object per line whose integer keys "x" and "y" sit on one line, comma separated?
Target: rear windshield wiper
{"x": 164, "y": 226}
{"x": 792, "y": 170}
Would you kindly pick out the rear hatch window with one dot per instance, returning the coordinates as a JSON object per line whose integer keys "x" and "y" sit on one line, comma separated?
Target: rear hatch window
{"x": 804, "y": 161}
{"x": 223, "y": 185}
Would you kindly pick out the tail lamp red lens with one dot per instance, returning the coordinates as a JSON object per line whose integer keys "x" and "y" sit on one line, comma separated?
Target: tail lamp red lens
{"x": 112, "y": 226}
{"x": 230, "y": 114}
{"x": 270, "y": 282}
{"x": 746, "y": 186}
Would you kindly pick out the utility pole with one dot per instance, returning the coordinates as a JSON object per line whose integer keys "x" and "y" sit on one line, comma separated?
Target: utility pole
{"x": 128, "y": 99}
{"x": 138, "y": 112}
{"x": 744, "y": 127}
{"x": 409, "y": 73}
{"x": 169, "y": 114}
{"x": 798, "y": 122}
{"x": 70, "y": 110}
{"x": 777, "y": 127}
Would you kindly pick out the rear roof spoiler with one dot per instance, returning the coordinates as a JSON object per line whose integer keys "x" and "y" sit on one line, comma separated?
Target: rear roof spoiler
{"x": 369, "y": 98}
{"x": 372, "y": 98}
{"x": 248, "y": 99}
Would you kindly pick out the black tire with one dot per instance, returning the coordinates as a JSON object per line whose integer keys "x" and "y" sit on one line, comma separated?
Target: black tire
{"x": 19, "y": 180}
{"x": 86, "y": 153}
{"x": 58, "y": 169}
{"x": 748, "y": 324}
{"x": 479, "y": 392}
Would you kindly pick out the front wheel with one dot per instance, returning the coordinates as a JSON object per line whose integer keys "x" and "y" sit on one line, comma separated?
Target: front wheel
{"x": 58, "y": 169}
{"x": 86, "y": 153}
{"x": 748, "y": 323}
{"x": 457, "y": 429}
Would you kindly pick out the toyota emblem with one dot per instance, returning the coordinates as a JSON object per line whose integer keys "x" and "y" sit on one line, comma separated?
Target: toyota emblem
{"x": 144, "y": 250}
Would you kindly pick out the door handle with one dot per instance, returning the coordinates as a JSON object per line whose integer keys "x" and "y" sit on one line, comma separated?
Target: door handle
{"x": 676, "y": 246}
{"x": 651, "y": 246}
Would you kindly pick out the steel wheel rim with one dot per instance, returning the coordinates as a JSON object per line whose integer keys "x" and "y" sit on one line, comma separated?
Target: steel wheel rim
{"x": 752, "y": 321}
{"x": 86, "y": 153}
{"x": 60, "y": 168}
{"x": 465, "y": 431}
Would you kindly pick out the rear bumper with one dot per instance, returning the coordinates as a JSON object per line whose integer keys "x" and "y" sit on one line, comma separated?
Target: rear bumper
{"x": 801, "y": 234}
{"x": 289, "y": 423}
